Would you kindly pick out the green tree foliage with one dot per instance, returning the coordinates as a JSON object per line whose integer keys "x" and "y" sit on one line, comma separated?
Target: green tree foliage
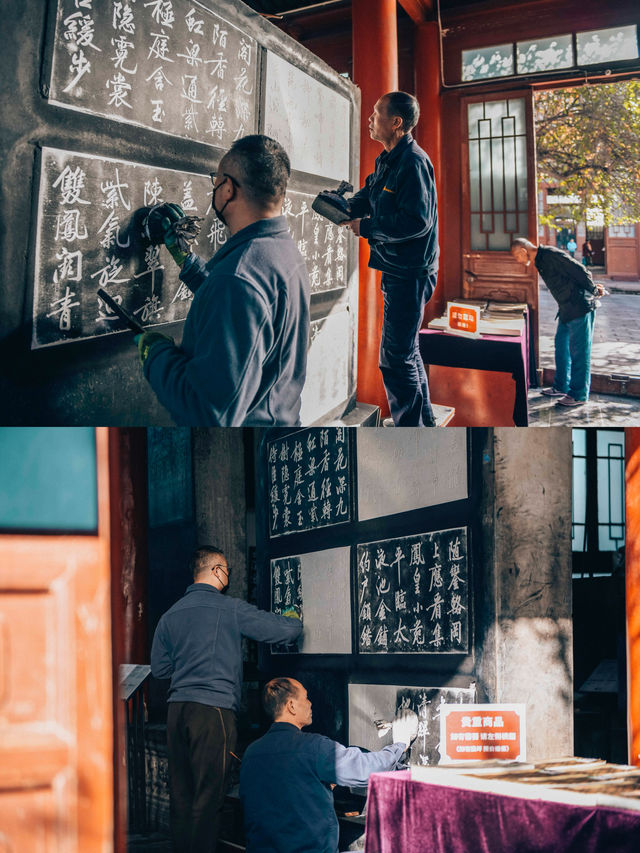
{"x": 588, "y": 145}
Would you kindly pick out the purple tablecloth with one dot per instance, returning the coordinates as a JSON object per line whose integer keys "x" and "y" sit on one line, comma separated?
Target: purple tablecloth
{"x": 505, "y": 353}
{"x": 417, "y": 817}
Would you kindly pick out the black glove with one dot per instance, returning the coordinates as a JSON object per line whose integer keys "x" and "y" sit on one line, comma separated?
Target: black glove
{"x": 161, "y": 228}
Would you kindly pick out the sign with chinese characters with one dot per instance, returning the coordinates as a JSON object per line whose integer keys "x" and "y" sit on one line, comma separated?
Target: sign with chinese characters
{"x": 323, "y": 245}
{"x": 308, "y": 480}
{"x": 463, "y": 319}
{"x": 413, "y": 594}
{"x": 319, "y": 583}
{"x": 168, "y": 65}
{"x": 311, "y": 120}
{"x": 483, "y": 732}
{"x": 286, "y": 591}
{"x": 89, "y": 235}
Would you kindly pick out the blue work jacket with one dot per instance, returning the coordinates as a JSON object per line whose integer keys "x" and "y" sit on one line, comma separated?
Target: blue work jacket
{"x": 284, "y": 788}
{"x": 198, "y": 644}
{"x": 399, "y": 207}
{"x": 243, "y": 356}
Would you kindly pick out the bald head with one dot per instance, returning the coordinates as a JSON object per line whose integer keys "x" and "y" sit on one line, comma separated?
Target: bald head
{"x": 523, "y": 251}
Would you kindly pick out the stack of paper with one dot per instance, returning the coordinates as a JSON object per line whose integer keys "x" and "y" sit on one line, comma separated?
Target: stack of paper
{"x": 512, "y": 327}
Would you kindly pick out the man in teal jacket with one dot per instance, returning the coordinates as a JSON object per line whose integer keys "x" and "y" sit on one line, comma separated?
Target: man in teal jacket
{"x": 243, "y": 356}
{"x": 572, "y": 287}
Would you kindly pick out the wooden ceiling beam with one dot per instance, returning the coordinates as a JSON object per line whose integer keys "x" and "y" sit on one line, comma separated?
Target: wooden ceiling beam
{"x": 419, "y": 10}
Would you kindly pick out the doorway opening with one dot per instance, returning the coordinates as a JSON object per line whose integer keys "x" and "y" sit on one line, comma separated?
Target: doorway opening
{"x": 588, "y": 163}
{"x": 598, "y": 557}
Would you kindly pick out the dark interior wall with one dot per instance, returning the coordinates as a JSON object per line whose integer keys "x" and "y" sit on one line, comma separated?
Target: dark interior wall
{"x": 327, "y": 676}
{"x": 197, "y": 496}
{"x": 98, "y": 381}
{"x": 171, "y": 532}
{"x": 519, "y": 519}
{"x": 600, "y": 638}
{"x": 599, "y": 623}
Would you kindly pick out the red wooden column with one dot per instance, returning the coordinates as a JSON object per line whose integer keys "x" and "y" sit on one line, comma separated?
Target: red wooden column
{"x": 429, "y": 130}
{"x": 129, "y": 570}
{"x": 632, "y": 567}
{"x": 375, "y": 70}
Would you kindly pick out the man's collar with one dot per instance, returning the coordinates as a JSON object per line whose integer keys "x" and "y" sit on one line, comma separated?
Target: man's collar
{"x": 282, "y": 726}
{"x": 401, "y": 145}
{"x": 260, "y": 228}
{"x": 199, "y": 586}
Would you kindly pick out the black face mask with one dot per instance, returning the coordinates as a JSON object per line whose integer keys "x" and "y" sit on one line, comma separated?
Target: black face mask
{"x": 219, "y": 213}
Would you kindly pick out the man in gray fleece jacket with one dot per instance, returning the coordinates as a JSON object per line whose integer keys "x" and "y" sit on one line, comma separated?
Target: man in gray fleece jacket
{"x": 198, "y": 644}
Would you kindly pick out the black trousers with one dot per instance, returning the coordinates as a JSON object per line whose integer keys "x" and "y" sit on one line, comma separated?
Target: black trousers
{"x": 200, "y": 739}
{"x": 403, "y": 373}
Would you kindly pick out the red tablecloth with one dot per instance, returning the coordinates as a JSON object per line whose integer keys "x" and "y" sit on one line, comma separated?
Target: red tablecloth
{"x": 417, "y": 817}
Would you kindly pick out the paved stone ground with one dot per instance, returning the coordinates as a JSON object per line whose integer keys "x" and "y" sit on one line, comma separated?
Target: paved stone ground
{"x": 615, "y": 350}
{"x": 601, "y": 410}
{"x": 616, "y": 335}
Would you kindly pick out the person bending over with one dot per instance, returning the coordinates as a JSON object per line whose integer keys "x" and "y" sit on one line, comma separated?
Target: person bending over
{"x": 572, "y": 287}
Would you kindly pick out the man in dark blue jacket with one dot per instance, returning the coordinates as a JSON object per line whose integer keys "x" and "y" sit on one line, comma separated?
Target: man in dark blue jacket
{"x": 243, "y": 356}
{"x": 198, "y": 644}
{"x": 572, "y": 287}
{"x": 287, "y": 776}
{"x": 396, "y": 211}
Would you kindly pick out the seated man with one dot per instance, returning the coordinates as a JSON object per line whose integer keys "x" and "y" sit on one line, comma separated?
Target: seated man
{"x": 286, "y": 775}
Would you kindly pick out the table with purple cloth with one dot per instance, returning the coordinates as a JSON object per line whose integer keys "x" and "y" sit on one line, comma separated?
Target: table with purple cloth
{"x": 409, "y": 816}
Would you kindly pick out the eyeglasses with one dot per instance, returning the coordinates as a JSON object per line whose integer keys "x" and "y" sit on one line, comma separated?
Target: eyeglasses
{"x": 214, "y": 175}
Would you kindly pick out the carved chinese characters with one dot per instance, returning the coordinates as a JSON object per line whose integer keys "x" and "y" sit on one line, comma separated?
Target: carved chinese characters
{"x": 413, "y": 594}
{"x": 309, "y": 480}
{"x": 322, "y": 244}
{"x": 426, "y": 703}
{"x": 90, "y": 236}
{"x": 169, "y": 65}
{"x": 286, "y": 591}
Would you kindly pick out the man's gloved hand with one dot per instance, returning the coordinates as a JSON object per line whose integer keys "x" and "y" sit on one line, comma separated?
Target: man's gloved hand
{"x": 161, "y": 227}
{"x": 146, "y": 341}
{"x": 405, "y": 727}
{"x": 292, "y": 612}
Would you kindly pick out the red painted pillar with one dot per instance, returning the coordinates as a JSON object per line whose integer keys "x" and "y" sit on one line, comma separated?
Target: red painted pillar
{"x": 375, "y": 70}
{"x": 428, "y": 133}
{"x": 128, "y": 514}
{"x": 632, "y": 568}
